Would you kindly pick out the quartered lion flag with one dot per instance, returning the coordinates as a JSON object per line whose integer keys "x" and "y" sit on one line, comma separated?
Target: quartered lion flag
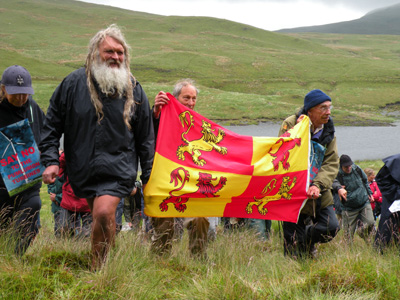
{"x": 204, "y": 170}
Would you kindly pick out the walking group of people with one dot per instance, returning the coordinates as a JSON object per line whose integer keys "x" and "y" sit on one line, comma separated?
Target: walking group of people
{"x": 360, "y": 199}
{"x": 104, "y": 115}
{"x": 72, "y": 217}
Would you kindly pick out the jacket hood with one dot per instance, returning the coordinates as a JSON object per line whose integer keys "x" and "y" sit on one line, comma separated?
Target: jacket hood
{"x": 393, "y": 164}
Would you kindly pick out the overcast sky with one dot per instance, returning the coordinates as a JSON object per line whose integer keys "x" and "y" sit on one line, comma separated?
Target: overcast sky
{"x": 265, "y": 14}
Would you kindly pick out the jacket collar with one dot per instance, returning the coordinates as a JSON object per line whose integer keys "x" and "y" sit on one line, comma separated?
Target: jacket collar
{"x": 327, "y": 134}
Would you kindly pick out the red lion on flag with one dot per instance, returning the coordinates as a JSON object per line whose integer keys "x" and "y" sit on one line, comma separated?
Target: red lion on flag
{"x": 282, "y": 154}
{"x": 206, "y": 189}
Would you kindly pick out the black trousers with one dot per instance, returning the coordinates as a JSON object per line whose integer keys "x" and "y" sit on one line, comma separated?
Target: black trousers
{"x": 19, "y": 215}
{"x": 388, "y": 228}
{"x": 300, "y": 237}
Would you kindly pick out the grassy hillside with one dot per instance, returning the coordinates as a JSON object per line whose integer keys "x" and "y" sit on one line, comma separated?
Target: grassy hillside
{"x": 245, "y": 74}
{"x": 380, "y": 21}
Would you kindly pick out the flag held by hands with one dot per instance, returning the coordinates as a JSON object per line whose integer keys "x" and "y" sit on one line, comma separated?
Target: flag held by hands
{"x": 204, "y": 170}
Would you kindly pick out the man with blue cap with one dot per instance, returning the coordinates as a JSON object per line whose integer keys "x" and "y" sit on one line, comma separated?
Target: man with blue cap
{"x": 317, "y": 221}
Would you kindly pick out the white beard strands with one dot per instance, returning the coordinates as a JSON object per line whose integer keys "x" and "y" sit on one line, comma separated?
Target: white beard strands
{"x": 111, "y": 80}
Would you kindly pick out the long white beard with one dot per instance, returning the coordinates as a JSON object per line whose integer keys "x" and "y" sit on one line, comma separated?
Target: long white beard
{"x": 111, "y": 80}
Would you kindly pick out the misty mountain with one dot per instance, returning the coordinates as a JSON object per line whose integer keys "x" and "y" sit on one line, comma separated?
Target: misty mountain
{"x": 380, "y": 21}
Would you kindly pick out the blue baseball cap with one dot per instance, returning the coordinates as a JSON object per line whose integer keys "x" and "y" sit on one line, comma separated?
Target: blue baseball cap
{"x": 17, "y": 80}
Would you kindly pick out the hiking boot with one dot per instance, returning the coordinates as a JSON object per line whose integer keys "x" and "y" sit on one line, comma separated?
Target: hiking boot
{"x": 313, "y": 251}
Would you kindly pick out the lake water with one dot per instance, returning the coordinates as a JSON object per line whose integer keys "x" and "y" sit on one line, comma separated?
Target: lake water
{"x": 360, "y": 143}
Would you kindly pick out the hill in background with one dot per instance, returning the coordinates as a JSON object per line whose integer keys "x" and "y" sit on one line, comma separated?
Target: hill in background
{"x": 246, "y": 74}
{"x": 380, "y": 21}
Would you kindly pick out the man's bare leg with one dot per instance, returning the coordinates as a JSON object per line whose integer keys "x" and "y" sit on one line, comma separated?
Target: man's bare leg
{"x": 103, "y": 228}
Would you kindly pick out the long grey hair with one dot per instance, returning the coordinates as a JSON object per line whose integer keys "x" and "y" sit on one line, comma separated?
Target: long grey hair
{"x": 93, "y": 54}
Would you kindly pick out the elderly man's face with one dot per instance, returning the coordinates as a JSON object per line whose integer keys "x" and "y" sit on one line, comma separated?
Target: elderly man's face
{"x": 112, "y": 52}
{"x": 188, "y": 96}
{"x": 320, "y": 113}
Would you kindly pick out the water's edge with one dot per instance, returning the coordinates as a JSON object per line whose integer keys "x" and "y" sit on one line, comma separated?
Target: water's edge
{"x": 360, "y": 143}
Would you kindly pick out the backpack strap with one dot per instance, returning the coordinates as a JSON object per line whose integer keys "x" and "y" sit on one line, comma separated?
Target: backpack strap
{"x": 340, "y": 178}
{"x": 364, "y": 181}
{"x": 359, "y": 171}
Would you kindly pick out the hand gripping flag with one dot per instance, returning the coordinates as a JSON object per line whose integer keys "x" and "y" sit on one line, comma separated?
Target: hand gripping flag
{"x": 204, "y": 170}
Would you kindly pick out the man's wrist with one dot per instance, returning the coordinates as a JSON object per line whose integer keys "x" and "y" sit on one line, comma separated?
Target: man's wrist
{"x": 51, "y": 163}
{"x": 156, "y": 114}
{"x": 313, "y": 184}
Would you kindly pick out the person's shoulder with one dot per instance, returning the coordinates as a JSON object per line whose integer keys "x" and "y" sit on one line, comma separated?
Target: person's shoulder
{"x": 290, "y": 120}
{"x": 288, "y": 123}
{"x": 139, "y": 94}
{"x": 137, "y": 85}
{"x": 32, "y": 101}
{"x": 135, "y": 81}
{"x": 33, "y": 104}
{"x": 76, "y": 74}
{"x": 358, "y": 170}
{"x": 74, "y": 79}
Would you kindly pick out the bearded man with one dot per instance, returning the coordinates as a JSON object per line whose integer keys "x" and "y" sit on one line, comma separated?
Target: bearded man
{"x": 106, "y": 120}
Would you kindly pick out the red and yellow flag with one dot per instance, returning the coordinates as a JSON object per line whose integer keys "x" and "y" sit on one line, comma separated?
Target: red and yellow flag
{"x": 204, "y": 170}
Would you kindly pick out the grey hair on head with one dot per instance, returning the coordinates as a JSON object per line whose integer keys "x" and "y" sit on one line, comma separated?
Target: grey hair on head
{"x": 93, "y": 53}
{"x": 181, "y": 84}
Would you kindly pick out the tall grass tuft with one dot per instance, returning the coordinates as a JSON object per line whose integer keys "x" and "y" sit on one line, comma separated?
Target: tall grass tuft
{"x": 238, "y": 266}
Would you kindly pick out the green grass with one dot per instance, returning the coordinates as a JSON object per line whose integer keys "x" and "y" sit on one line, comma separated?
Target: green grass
{"x": 239, "y": 266}
{"x": 375, "y": 165}
{"x": 246, "y": 75}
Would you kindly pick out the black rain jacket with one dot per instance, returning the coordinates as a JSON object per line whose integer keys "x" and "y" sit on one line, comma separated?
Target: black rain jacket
{"x": 388, "y": 179}
{"x": 102, "y": 159}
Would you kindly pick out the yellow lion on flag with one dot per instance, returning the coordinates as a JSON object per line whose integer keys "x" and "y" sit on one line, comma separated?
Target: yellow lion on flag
{"x": 207, "y": 142}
